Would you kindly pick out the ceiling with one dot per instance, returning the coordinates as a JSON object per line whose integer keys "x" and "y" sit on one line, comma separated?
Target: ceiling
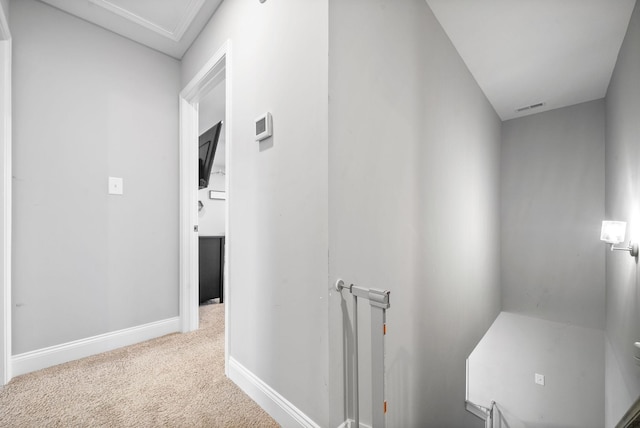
{"x": 522, "y": 53}
{"x": 527, "y": 52}
{"x": 168, "y": 26}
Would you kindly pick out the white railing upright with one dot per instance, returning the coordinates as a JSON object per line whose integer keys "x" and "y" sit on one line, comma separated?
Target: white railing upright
{"x": 379, "y": 303}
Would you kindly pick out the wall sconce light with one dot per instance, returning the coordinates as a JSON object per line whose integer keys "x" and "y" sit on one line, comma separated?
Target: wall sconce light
{"x": 613, "y": 233}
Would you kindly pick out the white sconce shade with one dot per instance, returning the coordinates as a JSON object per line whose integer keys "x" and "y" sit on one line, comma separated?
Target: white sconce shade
{"x": 613, "y": 231}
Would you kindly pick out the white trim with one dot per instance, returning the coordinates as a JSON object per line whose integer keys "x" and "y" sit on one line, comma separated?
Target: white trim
{"x": 192, "y": 10}
{"x": 227, "y": 228}
{"x": 477, "y": 410}
{"x": 58, "y": 354}
{"x": 285, "y": 413}
{"x": 184, "y": 24}
{"x": 349, "y": 424}
{"x": 5, "y": 309}
{"x": 188, "y": 216}
{"x": 482, "y": 412}
{"x": 213, "y": 72}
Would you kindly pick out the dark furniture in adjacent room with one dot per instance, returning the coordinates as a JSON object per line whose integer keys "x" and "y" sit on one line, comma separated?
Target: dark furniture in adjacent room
{"x": 211, "y": 259}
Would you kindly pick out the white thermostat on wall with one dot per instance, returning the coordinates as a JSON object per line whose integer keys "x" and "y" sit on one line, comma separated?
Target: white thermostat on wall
{"x": 264, "y": 127}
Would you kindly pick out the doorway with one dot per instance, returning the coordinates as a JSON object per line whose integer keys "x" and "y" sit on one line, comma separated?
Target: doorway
{"x": 216, "y": 72}
{"x": 211, "y": 195}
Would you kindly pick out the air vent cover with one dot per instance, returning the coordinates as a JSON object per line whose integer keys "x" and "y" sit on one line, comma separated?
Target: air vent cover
{"x": 530, "y": 107}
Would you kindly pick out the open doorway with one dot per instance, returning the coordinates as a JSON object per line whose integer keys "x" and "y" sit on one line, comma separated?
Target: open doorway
{"x": 211, "y": 196}
{"x": 215, "y": 76}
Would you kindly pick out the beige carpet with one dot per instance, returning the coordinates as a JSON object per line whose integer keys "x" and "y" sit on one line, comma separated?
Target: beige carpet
{"x": 173, "y": 381}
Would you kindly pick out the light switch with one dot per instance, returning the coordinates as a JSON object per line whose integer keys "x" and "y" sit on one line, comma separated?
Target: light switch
{"x": 115, "y": 186}
{"x": 539, "y": 379}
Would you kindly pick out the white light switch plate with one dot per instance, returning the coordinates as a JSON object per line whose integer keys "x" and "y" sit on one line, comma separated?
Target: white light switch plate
{"x": 539, "y": 379}
{"x": 116, "y": 186}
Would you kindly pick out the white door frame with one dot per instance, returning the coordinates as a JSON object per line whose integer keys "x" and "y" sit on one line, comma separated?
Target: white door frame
{"x": 217, "y": 69}
{"x": 5, "y": 136}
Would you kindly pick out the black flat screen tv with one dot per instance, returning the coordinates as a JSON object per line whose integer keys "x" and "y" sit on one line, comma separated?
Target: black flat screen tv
{"x": 208, "y": 142}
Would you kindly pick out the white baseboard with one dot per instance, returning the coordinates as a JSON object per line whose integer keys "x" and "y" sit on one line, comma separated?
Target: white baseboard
{"x": 350, "y": 423}
{"x": 58, "y": 354}
{"x": 280, "y": 409}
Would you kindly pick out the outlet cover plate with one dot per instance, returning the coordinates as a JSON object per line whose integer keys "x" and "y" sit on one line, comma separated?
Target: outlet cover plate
{"x": 116, "y": 186}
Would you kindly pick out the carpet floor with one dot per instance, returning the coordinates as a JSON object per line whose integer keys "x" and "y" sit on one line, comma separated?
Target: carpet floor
{"x": 174, "y": 381}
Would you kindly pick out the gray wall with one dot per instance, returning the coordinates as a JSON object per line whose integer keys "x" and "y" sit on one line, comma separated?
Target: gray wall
{"x": 623, "y": 203}
{"x": 502, "y": 368}
{"x": 552, "y": 167}
{"x": 87, "y": 105}
{"x": 413, "y": 204}
{"x": 278, "y": 197}
{"x": 5, "y": 7}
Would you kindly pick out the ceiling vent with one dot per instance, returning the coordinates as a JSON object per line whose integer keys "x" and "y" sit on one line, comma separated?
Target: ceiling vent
{"x": 531, "y": 107}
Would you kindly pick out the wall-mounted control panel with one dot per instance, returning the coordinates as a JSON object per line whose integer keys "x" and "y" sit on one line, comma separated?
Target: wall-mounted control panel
{"x": 264, "y": 126}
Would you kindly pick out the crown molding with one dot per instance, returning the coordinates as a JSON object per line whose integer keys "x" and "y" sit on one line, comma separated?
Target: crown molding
{"x": 176, "y": 34}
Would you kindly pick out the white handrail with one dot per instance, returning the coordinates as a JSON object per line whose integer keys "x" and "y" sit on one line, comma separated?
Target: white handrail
{"x": 631, "y": 417}
{"x": 484, "y": 413}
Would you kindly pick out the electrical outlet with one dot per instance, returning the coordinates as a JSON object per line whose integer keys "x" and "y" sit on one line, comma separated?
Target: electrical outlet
{"x": 116, "y": 186}
{"x": 539, "y": 379}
